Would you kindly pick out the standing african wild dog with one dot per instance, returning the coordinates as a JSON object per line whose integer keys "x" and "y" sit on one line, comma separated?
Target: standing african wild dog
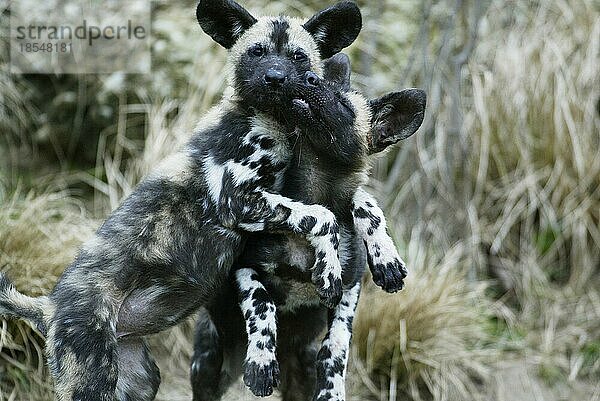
{"x": 338, "y": 132}
{"x": 167, "y": 249}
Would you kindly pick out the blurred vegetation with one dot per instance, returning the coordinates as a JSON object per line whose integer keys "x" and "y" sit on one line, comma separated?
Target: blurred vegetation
{"x": 495, "y": 202}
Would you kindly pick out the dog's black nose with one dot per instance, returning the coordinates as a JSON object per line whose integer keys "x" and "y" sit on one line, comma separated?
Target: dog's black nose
{"x": 275, "y": 77}
{"x": 311, "y": 78}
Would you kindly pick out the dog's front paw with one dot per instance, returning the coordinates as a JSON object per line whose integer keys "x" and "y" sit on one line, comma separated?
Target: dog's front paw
{"x": 332, "y": 295}
{"x": 390, "y": 277}
{"x": 261, "y": 379}
{"x": 329, "y": 395}
{"x": 387, "y": 268}
{"x": 327, "y": 277}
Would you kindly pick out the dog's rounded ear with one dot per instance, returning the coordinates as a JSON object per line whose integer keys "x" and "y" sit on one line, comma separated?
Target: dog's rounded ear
{"x": 337, "y": 71}
{"x": 395, "y": 116}
{"x": 223, "y": 20}
{"x": 335, "y": 27}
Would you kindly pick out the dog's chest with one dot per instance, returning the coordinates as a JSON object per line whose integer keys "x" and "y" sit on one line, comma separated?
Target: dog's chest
{"x": 311, "y": 179}
{"x": 290, "y": 282}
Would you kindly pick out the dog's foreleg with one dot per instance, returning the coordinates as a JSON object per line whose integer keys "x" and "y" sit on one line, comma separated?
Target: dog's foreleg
{"x": 332, "y": 359}
{"x": 276, "y": 213}
{"x": 387, "y": 268}
{"x": 261, "y": 368}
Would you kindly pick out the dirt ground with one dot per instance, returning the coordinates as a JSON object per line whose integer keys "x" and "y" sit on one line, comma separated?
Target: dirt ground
{"x": 513, "y": 381}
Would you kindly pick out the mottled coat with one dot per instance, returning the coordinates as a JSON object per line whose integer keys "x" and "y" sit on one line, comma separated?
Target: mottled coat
{"x": 169, "y": 247}
{"x": 330, "y": 162}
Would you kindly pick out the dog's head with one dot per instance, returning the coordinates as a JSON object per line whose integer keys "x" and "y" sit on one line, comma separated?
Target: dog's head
{"x": 342, "y": 121}
{"x": 269, "y": 56}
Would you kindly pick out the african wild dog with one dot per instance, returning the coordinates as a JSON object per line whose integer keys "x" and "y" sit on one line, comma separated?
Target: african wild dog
{"x": 167, "y": 249}
{"x": 339, "y": 129}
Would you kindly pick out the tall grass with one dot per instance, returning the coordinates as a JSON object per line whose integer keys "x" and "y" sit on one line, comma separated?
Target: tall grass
{"x": 517, "y": 184}
{"x": 537, "y": 175}
{"x": 430, "y": 341}
{"x": 39, "y": 236}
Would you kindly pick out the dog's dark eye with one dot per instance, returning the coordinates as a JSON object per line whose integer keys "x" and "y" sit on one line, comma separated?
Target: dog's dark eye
{"x": 299, "y": 55}
{"x": 257, "y": 50}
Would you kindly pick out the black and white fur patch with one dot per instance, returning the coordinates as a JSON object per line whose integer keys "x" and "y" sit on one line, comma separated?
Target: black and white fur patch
{"x": 332, "y": 359}
{"x": 335, "y": 169}
{"x": 169, "y": 247}
{"x": 387, "y": 268}
{"x": 261, "y": 373}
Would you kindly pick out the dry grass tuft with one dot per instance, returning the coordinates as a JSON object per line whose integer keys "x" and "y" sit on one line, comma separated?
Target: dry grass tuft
{"x": 428, "y": 342}
{"x": 536, "y": 175}
{"x": 39, "y": 236}
{"x": 508, "y": 168}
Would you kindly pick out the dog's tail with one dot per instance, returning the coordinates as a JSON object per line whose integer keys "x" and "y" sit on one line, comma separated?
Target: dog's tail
{"x": 13, "y": 304}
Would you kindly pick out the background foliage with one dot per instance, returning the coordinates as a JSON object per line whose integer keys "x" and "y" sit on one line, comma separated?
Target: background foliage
{"x": 495, "y": 202}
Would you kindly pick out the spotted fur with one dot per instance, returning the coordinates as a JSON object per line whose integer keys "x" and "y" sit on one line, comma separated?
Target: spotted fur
{"x": 169, "y": 247}
{"x": 387, "y": 267}
{"x": 261, "y": 366}
{"x": 332, "y": 360}
{"x": 332, "y": 155}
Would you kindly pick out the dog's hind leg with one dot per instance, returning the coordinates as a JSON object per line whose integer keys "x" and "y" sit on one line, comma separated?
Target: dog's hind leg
{"x": 297, "y": 352}
{"x": 220, "y": 344}
{"x": 261, "y": 367}
{"x": 298, "y": 374}
{"x": 139, "y": 376}
{"x": 207, "y": 360}
{"x": 81, "y": 345}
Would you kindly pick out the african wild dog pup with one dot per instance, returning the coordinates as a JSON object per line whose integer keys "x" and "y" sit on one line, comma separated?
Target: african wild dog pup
{"x": 339, "y": 129}
{"x": 167, "y": 249}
